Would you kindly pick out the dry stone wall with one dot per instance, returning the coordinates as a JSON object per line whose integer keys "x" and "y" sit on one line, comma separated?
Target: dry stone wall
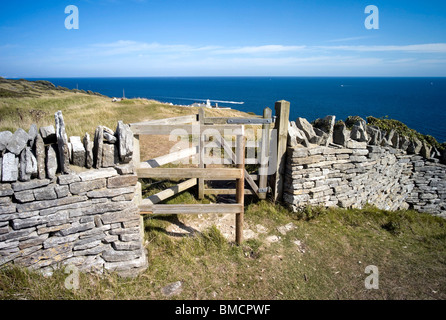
{"x": 361, "y": 166}
{"x": 53, "y": 215}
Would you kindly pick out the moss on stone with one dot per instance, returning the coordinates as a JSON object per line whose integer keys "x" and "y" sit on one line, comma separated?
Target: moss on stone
{"x": 404, "y": 130}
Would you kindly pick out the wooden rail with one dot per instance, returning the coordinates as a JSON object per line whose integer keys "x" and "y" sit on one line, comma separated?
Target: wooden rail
{"x": 193, "y": 209}
{"x": 167, "y": 193}
{"x": 182, "y": 173}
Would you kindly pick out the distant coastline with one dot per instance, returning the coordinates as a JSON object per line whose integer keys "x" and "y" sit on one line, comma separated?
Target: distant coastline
{"x": 415, "y": 101}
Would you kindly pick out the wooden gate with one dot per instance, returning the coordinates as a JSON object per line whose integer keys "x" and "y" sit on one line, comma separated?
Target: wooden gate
{"x": 199, "y": 126}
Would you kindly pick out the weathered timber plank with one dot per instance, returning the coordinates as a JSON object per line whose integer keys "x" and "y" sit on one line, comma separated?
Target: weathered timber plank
{"x": 192, "y": 208}
{"x": 168, "y": 158}
{"x": 185, "y": 129}
{"x": 175, "y": 120}
{"x": 167, "y": 193}
{"x": 226, "y": 191}
{"x": 264, "y": 153}
{"x": 182, "y": 173}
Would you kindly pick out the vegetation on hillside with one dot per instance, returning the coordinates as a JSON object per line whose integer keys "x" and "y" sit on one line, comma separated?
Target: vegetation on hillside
{"x": 402, "y": 129}
{"x": 324, "y": 257}
{"x": 26, "y": 102}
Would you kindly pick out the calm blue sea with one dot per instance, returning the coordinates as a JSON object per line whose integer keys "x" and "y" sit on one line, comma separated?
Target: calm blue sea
{"x": 418, "y": 102}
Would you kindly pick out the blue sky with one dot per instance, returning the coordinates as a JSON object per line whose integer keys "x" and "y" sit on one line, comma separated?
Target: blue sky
{"x": 222, "y": 38}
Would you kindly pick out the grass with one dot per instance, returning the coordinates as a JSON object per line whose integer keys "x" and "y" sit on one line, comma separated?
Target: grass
{"x": 407, "y": 247}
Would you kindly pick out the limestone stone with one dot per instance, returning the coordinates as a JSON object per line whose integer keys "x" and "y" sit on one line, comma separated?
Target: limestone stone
{"x": 68, "y": 178}
{"x": 6, "y": 190}
{"x": 296, "y": 136}
{"x": 26, "y": 223}
{"x": 126, "y": 246}
{"x": 24, "y": 196}
{"x": 62, "y": 191}
{"x": 359, "y": 133}
{"x": 307, "y": 128}
{"x": 120, "y": 216}
{"x": 414, "y": 146}
{"x": 425, "y": 151}
{"x": 10, "y": 167}
{"x": 4, "y": 139}
{"x": 56, "y": 241}
{"x": 34, "y": 241}
{"x": 125, "y": 168}
{"x": 76, "y": 228}
{"x": 108, "y": 130}
{"x": 17, "y": 142}
{"x": 443, "y": 157}
{"x": 323, "y": 137}
{"x": 109, "y": 193}
{"x": 45, "y": 193}
{"x": 28, "y": 165}
{"x": 326, "y": 125}
{"x": 33, "y": 184}
{"x": 98, "y": 146}
{"x": 129, "y": 237}
{"x": 404, "y": 143}
{"x": 85, "y": 186}
{"x": 390, "y": 136}
{"x": 88, "y": 146}
{"x": 117, "y": 256}
{"x": 122, "y": 181}
{"x": 87, "y": 245}
{"x": 97, "y": 174}
{"x": 299, "y": 152}
{"x": 62, "y": 143}
{"x": 125, "y": 142}
{"x": 52, "y": 164}
{"x": 48, "y": 134}
{"x": 395, "y": 140}
{"x": 38, "y": 205}
{"x": 109, "y": 155}
{"x": 351, "y": 144}
{"x": 78, "y": 155}
{"x": 32, "y": 134}
{"x": 128, "y": 268}
{"x": 109, "y": 138}
{"x": 340, "y": 133}
{"x": 17, "y": 234}
{"x": 40, "y": 157}
{"x": 374, "y": 135}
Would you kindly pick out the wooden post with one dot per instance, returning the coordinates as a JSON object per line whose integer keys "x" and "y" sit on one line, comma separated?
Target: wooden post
{"x": 136, "y": 158}
{"x": 282, "y": 109}
{"x": 240, "y": 188}
{"x": 201, "y": 164}
{"x": 264, "y": 153}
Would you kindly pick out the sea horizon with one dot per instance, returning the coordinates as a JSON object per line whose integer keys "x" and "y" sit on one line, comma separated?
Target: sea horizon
{"x": 418, "y": 102}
